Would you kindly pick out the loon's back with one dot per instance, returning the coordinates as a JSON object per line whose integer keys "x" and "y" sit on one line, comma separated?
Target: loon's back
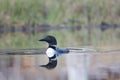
{"x": 61, "y": 51}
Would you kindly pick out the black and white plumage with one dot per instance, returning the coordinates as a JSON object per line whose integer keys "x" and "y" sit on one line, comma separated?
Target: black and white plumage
{"x": 52, "y": 51}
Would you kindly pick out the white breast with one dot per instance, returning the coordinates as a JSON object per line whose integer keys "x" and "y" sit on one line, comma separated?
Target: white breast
{"x": 50, "y": 52}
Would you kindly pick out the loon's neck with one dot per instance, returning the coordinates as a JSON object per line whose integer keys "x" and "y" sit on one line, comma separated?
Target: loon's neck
{"x": 52, "y": 46}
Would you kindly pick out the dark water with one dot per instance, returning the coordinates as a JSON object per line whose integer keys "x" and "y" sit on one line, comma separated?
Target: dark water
{"x": 44, "y": 28}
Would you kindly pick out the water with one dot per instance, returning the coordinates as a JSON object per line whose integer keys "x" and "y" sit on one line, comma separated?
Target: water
{"x": 73, "y": 66}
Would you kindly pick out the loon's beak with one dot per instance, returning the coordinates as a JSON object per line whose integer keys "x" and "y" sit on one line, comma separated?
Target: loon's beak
{"x": 44, "y": 39}
{"x": 41, "y": 40}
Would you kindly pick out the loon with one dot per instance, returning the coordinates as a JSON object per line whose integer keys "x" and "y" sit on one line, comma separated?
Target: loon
{"x": 53, "y": 51}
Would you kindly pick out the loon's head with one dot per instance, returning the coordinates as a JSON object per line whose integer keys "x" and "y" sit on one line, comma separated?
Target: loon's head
{"x": 51, "y": 40}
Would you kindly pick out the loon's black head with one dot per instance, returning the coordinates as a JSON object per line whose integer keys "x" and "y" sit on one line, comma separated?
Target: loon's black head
{"x": 51, "y": 40}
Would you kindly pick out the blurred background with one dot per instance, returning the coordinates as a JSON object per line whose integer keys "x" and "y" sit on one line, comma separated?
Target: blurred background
{"x": 75, "y": 23}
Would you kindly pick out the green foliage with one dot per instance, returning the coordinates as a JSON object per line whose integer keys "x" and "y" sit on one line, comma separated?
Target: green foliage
{"x": 57, "y": 12}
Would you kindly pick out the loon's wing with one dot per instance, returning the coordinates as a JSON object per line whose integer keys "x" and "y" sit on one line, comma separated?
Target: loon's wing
{"x": 61, "y": 51}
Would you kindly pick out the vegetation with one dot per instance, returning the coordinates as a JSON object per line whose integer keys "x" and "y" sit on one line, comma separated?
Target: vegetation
{"x": 59, "y": 12}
